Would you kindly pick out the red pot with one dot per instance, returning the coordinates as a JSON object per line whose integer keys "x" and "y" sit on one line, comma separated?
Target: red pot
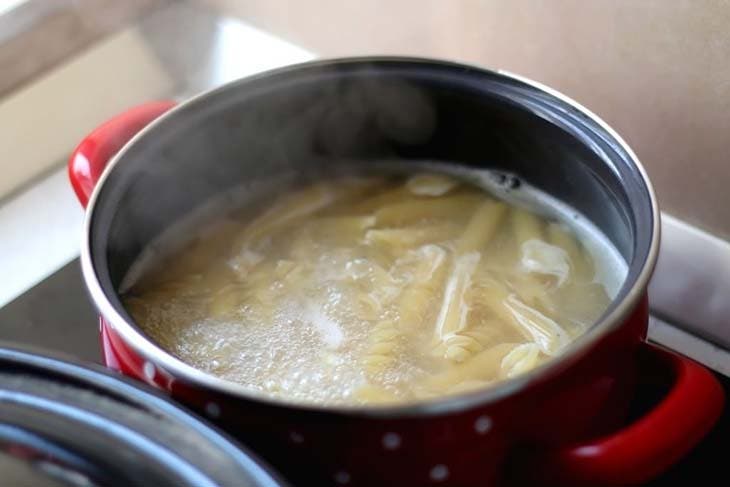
{"x": 561, "y": 424}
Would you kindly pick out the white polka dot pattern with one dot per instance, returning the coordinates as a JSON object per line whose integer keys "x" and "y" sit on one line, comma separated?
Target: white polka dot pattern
{"x": 149, "y": 371}
{"x": 482, "y": 425}
{"x": 391, "y": 441}
{"x": 342, "y": 477}
{"x": 439, "y": 473}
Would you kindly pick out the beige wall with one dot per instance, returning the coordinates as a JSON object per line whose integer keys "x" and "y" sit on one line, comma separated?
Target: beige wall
{"x": 41, "y": 123}
{"x": 49, "y": 31}
{"x": 657, "y": 70}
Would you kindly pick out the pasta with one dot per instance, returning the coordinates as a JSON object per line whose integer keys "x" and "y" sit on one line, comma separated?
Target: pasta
{"x": 447, "y": 208}
{"x": 400, "y": 239}
{"x": 299, "y": 204}
{"x": 537, "y": 259}
{"x": 226, "y": 300}
{"x": 526, "y": 226}
{"x": 429, "y": 184}
{"x": 482, "y": 366}
{"x": 373, "y": 290}
{"x": 579, "y": 263}
{"x": 410, "y": 307}
{"x": 425, "y": 279}
{"x": 520, "y": 359}
{"x": 383, "y": 341}
{"x": 481, "y": 227}
{"x": 452, "y": 318}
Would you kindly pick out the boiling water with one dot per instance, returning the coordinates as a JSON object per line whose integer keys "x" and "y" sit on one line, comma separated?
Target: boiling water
{"x": 378, "y": 289}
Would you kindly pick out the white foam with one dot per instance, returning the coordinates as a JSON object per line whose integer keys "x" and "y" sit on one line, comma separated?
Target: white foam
{"x": 329, "y": 330}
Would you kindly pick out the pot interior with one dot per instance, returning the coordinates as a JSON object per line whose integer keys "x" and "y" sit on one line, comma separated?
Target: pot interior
{"x": 329, "y": 117}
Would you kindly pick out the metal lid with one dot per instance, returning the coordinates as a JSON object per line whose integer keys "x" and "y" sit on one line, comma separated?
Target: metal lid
{"x": 66, "y": 424}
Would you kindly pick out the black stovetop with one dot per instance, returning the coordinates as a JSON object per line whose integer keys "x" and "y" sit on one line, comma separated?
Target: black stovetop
{"x": 57, "y": 315}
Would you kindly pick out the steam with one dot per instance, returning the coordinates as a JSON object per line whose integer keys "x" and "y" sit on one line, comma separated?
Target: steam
{"x": 364, "y": 115}
{"x": 242, "y": 146}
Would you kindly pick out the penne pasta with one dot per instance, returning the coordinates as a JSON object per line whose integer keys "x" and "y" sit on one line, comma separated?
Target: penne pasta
{"x": 541, "y": 264}
{"x": 460, "y": 347}
{"x": 481, "y": 227}
{"x": 580, "y": 264}
{"x": 533, "y": 325}
{"x": 226, "y": 301}
{"x": 429, "y": 184}
{"x": 526, "y": 226}
{"x": 482, "y": 366}
{"x": 341, "y": 230}
{"x": 285, "y": 210}
{"x": 560, "y": 237}
{"x": 374, "y": 394}
{"x": 533, "y": 292}
{"x": 455, "y": 207}
{"x": 539, "y": 259}
{"x": 403, "y": 238}
{"x": 468, "y": 386}
{"x": 521, "y": 359}
{"x": 384, "y": 198}
{"x": 548, "y": 334}
{"x": 452, "y": 317}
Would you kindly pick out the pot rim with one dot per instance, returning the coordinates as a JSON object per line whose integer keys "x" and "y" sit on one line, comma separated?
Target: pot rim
{"x": 178, "y": 369}
{"x": 42, "y": 367}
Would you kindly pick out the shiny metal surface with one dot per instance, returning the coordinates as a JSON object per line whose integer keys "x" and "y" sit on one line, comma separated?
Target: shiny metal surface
{"x": 159, "y": 357}
{"x": 86, "y": 425}
{"x": 691, "y": 284}
{"x": 656, "y": 70}
{"x": 20, "y": 473}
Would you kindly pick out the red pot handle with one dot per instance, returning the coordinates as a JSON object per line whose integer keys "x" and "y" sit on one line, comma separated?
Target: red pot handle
{"x": 88, "y": 160}
{"x": 651, "y": 444}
